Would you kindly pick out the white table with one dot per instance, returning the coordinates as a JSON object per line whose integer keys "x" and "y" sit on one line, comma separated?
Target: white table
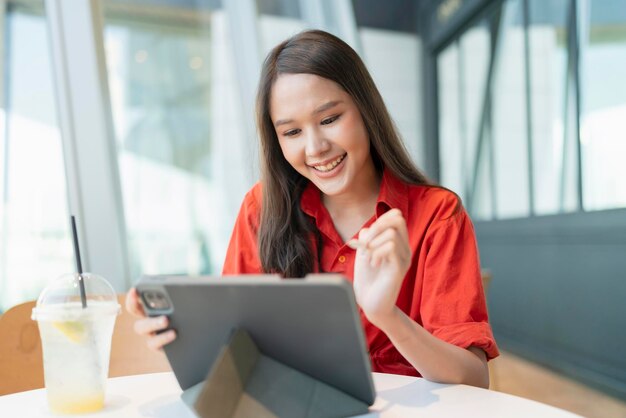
{"x": 157, "y": 395}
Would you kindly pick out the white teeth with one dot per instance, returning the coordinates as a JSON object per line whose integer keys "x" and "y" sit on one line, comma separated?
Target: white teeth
{"x": 330, "y": 165}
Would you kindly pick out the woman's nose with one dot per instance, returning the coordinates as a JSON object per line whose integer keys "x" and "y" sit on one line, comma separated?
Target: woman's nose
{"x": 316, "y": 144}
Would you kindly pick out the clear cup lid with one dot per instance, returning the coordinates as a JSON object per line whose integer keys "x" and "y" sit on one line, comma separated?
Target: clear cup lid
{"x": 61, "y": 300}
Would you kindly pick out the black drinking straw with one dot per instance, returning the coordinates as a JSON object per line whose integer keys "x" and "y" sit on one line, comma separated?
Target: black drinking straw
{"x": 79, "y": 265}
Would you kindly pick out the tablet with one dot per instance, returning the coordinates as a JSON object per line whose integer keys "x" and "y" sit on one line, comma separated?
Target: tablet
{"x": 310, "y": 324}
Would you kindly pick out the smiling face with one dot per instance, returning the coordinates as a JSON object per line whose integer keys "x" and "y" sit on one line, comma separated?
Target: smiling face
{"x": 321, "y": 133}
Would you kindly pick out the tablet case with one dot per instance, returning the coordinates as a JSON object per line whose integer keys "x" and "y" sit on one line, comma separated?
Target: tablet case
{"x": 245, "y": 383}
{"x": 305, "y": 331}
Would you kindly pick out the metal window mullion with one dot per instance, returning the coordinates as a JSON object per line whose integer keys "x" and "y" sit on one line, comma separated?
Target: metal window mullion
{"x": 242, "y": 18}
{"x": 487, "y": 98}
{"x": 85, "y": 121}
{"x": 4, "y": 145}
{"x": 346, "y": 27}
{"x": 4, "y": 32}
{"x": 430, "y": 83}
{"x": 334, "y": 16}
{"x": 565, "y": 124}
{"x": 571, "y": 75}
{"x": 529, "y": 118}
{"x": 243, "y": 29}
{"x": 496, "y": 35}
{"x": 492, "y": 162}
{"x": 562, "y": 182}
{"x": 576, "y": 77}
{"x": 463, "y": 118}
{"x": 312, "y": 12}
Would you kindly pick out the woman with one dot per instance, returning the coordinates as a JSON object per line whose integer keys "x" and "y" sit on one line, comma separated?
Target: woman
{"x": 335, "y": 176}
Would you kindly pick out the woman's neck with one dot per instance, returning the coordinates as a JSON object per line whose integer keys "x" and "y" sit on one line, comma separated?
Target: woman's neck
{"x": 349, "y": 211}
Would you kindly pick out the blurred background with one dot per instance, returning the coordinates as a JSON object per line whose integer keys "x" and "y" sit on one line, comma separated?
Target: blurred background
{"x": 137, "y": 117}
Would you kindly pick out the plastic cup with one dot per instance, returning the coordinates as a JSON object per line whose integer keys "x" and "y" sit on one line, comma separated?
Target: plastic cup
{"x": 76, "y": 342}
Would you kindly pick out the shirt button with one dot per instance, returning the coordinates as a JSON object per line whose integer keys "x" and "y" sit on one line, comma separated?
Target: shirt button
{"x": 342, "y": 258}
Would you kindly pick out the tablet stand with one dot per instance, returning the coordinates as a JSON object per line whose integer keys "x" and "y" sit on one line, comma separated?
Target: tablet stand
{"x": 245, "y": 383}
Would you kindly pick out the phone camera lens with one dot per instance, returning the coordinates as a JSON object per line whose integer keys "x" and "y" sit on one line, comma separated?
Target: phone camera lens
{"x": 155, "y": 300}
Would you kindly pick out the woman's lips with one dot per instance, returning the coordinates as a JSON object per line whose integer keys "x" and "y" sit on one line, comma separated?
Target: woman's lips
{"x": 328, "y": 165}
{"x": 335, "y": 165}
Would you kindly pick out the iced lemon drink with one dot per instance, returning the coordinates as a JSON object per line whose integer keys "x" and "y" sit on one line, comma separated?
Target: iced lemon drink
{"x": 76, "y": 344}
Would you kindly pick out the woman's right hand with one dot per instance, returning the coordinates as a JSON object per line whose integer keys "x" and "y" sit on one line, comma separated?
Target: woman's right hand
{"x": 149, "y": 326}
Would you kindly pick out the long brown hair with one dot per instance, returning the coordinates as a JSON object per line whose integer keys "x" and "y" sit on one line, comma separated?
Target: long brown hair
{"x": 285, "y": 232}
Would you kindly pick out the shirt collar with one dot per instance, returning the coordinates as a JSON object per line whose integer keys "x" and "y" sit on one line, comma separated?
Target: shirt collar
{"x": 393, "y": 194}
{"x": 311, "y": 200}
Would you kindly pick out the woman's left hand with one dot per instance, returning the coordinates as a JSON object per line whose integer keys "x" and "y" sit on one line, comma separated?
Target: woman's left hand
{"x": 381, "y": 262}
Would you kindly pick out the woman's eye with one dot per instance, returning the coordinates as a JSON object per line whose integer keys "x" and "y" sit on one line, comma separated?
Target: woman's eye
{"x": 292, "y": 132}
{"x": 330, "y": 120}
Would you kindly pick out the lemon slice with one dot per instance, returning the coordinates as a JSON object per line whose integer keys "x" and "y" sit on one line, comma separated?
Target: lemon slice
{"x": 73, "y": 330}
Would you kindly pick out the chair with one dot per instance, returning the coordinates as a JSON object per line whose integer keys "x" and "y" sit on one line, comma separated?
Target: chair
{"x": 493, "y": 384}
{"x": 21, "y": 363}
{"x": 129, "y": 353}
{"x": 486, "y": 277}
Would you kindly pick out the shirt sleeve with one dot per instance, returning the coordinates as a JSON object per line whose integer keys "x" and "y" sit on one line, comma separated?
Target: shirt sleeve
{"x": 242, "y": 255}
{"x": 453, "y": 306}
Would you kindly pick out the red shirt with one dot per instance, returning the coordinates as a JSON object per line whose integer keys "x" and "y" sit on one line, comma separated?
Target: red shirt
{"x": 442, "y": 290}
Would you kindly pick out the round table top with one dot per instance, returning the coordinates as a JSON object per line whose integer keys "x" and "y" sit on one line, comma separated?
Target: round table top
{"x": 158, "y": 395}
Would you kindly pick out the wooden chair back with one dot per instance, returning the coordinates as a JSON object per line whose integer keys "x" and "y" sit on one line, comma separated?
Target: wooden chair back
{"x": 21, "y": 363}
{"x": 486, "y": 277}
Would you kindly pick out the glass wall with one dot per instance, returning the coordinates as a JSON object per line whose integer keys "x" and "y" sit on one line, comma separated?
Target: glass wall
{"x": 391, "y": 48}
{"x": 548, "y": 65}
{"x": 277, "y": 20}
{"x": 173, "y": 96}
{"x": 35, "y": 243}
{"x": 180, "y": 121}
{"x": 508, "y": 116}
{"x": 477, "y": 158}
{"x": 452, "y": 121}
{"x": 463, "y": 69}
{"x": 532, "y": 109}
{"x": 178, "y": 76}
{"x": 603, "y": 104}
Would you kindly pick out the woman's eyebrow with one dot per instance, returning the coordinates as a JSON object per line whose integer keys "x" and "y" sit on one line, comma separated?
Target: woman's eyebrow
{"x": 326, "y": 106}
{"x": 319, "y": 109}
{"x": 282, "y": 122}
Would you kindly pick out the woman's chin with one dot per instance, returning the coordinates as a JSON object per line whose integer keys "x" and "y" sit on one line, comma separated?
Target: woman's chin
{"x": 331, "y": 187}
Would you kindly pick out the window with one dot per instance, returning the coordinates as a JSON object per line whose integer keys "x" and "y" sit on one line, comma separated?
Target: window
{"x": 35, "y": 244}
{"x": 451, "y": 119}
{"x": 277, "y": 21}
{"x": 508, "y": 117}
{"x": 391, "y": 48}
{"x": 549, "y": 82}
{"x": 177, "y": 120}
{"x": 549, "y": 126}
{"x": 603, "y": 103}
{"x": 465, "y": 148}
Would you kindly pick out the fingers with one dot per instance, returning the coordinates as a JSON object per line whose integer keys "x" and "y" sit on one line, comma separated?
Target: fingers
{"x": 390, "y": 234}
{"x": 386, "y": 240}
{"x": 157, "y": 341}
{"x": 132, "y": 303}
{"x": 361, "y": 243}
{"x": 149, "y": 327}
{"x": 391, "y": 219}
{"x": 390, "y": 251}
